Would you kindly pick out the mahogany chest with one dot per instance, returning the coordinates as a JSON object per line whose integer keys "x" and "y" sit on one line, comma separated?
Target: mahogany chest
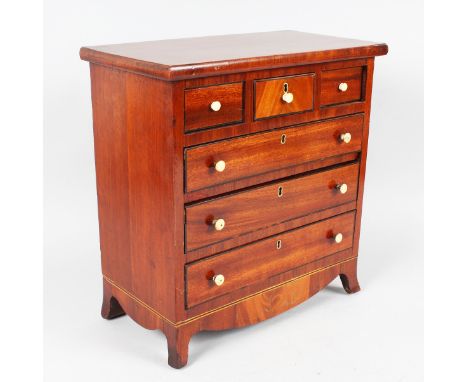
{"x": 230, "y": 175}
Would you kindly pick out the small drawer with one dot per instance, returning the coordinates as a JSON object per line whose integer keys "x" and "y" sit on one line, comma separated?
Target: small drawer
{"x": 213, "y": 106}
{"x": 284, "y": 95}
{"x": 232, "y": 159}
{"x": 341, "y": 86}
{"x": 247, "y": 211}
{"x": 219, "y": 275}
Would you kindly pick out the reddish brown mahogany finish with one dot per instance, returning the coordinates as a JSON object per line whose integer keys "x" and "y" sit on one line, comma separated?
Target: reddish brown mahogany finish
{"x": 269, "y": 93}
{"x": 258, "y": 261}
{"x": 330, "y": 92}
{"x": 216, "y": 55}
{"x": 198, "y": 112}
{"x": 244, "y": 211}
{"x": 261, "y": 153}
{"x": 157, "y": 137}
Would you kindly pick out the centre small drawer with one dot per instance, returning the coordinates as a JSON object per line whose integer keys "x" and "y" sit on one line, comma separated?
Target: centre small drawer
{"x": 218, "y": 275}
{"x": 284, "y": 95}
{"x": 226, "y": 217}
{"x": 213, "y": 106}
{"x": 233, "y": 159}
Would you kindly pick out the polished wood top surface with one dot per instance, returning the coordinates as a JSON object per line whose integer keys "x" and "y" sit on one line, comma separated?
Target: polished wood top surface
{"x": 202, "y": 56}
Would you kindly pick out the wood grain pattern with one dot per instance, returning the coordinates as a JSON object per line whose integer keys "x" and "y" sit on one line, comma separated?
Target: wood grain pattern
{"x": 156, "y": 140}
{"x": 111, "y": 161}
{"x": 275, "y": 174}
{"x": 281, "y": 278}
{"x": 250, "y": 125}
{"x": 261, "y": 207}
{"x": 215, "y": 55}
{"x": 135, "y": 165}
{"x": 212, "y": 319}
{"x": 258, "y": 261}
{"x": 198, "y": 113}
{"x": 268, "y": 93}
{"x": 258, "y": 154}
{"x": 267, "y": 231}
{"x": 254, "y": 309}
{"x": 274, "y": 301}
{"x": 331, "y": 79}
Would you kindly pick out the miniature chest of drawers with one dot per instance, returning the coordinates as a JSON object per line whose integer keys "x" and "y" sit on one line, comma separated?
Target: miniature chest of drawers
{"x": 230, "y": 174}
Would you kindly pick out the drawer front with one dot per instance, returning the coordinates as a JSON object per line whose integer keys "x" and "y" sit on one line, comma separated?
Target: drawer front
{"x": 284, "y": 95}
{"x": 262, "y": 207}
{"x": 341, "y": 86}
{"x": 213, "y": 106}
{"x": 263, "y": 259}
{"x": 233, "y": 159}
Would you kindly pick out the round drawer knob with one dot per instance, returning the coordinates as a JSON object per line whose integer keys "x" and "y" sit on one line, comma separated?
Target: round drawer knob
{"x": 215, "y": 105}
{"x": 220, "y": 166}
{"x": 218, "y": 280}
{"x": 343, "y": 87}
{"x": 346, "y": 137}
{"x": 343, "y": 188}
{"x": 288, "y": 97}
{"x": 338, "y": 238}
{"x": 219, "y": 224}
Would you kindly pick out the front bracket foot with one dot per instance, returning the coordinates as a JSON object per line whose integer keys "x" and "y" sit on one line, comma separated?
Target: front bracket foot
{"x": 348, "y": 276}
{"x": 110, "y": 306}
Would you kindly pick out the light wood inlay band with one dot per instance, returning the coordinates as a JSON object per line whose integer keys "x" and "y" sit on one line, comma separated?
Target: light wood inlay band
{"x": 207, "y": 313}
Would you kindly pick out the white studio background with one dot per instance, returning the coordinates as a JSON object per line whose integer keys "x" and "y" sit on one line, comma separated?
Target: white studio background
{"x": 375, "y": 335}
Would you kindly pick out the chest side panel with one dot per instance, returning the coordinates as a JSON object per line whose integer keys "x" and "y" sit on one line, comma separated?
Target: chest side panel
{"x": 139, "y": 184}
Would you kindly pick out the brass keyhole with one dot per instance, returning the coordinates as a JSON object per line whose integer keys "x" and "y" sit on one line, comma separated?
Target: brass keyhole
{"x": 285, "y": 87}
{"x": 278, "y": 244}
{"x": 280, "y": 191}
{"x": 283, "y": 139}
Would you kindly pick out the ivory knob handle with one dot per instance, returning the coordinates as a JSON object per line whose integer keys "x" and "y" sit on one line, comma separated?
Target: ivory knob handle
{"x": 219, "y": 224}
{"x": 338, "y": 238}
{"x": 343, "y": 87}
{"x": 288, "y": 97}
{"x": 346, "y": 137}
{"x": 215, "y": 105}
{"x": 218, "y": 280}
{"x": 220, "y": 165}
{"x": 343, "y": 188}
